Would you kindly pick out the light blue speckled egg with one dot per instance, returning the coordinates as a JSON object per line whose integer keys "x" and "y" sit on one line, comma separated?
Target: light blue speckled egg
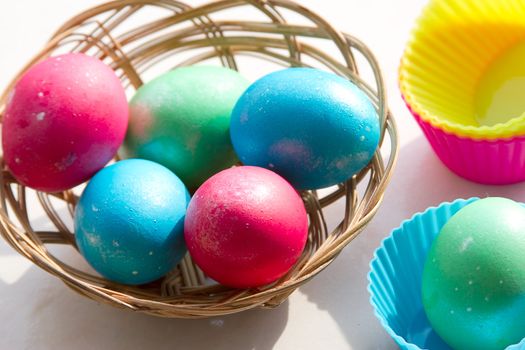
{"x": 129, "y": 221}
{"x": 312, "y": 127}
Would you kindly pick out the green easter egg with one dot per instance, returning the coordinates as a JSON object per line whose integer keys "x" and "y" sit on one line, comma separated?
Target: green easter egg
{"x": 181, "y": 120}
{"x": 474, "y": 277}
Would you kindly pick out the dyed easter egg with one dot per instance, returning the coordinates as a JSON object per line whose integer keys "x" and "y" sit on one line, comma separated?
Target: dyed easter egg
{"x": 245, "y": 227}
{"x": 129, "y": 221}
{"x": 182, "y": 118}
{"x": 474, "y": 276}
{"x": 64, "y": 120}
{"x": 314, "y": 128}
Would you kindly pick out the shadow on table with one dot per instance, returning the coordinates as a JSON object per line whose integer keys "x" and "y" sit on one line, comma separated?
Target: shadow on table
{"x": 45, "y": 314}
{"x": 419, "y": 181}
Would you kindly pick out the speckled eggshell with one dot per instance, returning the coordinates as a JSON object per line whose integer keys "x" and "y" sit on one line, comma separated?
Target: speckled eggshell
{"x": 129, "y": 221}
{"x": 474, "y": 277}
{"x": 65, "y": 119}
{"x": 246, "y": 227}
{"x": 181, "y": 120}
{"x": 312, "y": 127}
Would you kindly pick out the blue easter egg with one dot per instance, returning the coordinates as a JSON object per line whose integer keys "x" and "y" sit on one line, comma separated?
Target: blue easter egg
{"x": 314, "y": 128}
{"x": 129, "y": 222}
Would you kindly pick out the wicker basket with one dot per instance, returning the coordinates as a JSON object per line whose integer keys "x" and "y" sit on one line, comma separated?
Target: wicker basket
{"x": 173, "y": 34}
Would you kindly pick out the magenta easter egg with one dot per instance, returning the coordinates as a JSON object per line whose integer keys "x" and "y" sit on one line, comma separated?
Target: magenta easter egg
{"x": 64, "y": 120}
{"x": 246, "y": 227}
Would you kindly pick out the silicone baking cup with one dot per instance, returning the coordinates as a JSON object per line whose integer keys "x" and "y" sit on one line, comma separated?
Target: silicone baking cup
{"x": 495, "y": 162}
{"x": 395, "y": 279}
{"x": 462, "y": 77}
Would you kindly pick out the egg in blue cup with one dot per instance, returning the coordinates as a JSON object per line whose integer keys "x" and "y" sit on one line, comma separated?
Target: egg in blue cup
{"x": 396, "y": 281}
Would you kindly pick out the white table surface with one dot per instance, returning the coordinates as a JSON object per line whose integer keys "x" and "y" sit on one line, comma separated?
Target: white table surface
{"x": 330, "y": 312}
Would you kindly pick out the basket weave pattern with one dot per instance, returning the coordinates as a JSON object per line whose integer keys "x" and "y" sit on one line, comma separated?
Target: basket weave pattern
{"x": 178, "y": 35}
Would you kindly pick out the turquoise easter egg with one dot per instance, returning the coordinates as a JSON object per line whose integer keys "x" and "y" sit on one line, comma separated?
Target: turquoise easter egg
{"x": 314, "y": 128}
{"x": 474, "y": 277}
{"x": 181, "y": 120}
{"x": 129, "y": 221}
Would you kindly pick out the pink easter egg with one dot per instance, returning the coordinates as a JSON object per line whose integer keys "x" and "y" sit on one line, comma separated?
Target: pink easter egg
{"x": 246, "y": 227}
{"x": 65, "y": 119}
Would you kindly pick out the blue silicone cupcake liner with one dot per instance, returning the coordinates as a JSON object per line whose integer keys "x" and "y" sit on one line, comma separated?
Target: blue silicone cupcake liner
{"x": 395, "y": 279}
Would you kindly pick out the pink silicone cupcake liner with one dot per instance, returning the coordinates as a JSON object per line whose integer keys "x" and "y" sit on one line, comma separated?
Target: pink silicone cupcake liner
{"x": 491, "y": 162}
{"x": 461, "y": 75}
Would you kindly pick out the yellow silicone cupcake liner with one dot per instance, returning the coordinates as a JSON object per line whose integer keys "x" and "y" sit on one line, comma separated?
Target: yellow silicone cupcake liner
{"x": 463, "y": 70}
